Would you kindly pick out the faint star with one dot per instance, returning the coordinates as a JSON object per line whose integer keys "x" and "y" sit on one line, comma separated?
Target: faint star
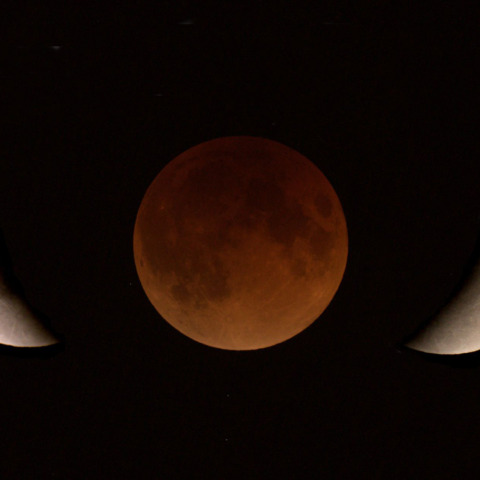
{"x": 187, "y": 21}
{"x": 335, "y": 23}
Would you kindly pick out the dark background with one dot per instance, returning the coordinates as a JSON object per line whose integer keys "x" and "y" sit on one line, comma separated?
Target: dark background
{"x": 383, "y": 102}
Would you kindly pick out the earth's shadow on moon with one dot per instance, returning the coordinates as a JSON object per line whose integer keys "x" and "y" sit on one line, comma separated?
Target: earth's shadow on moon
{"x": 237, "y": 231}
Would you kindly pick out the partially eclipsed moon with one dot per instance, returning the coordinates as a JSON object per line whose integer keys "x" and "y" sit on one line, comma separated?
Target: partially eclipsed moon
{"x": 20, "y": 326}
{"x": 240, "y": 243}
{"x": 456, "y": 328}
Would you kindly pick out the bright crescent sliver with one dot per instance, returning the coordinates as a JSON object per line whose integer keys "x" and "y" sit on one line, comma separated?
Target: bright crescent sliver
{"x": 456, "y": 328}
{"x": 20, "y": 326}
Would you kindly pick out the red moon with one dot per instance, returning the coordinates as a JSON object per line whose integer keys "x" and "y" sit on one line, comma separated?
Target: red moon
{"x": 240, "y": 243}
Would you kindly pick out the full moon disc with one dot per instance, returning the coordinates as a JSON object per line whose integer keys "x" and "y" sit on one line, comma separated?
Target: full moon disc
{"x": 240, "y": 243}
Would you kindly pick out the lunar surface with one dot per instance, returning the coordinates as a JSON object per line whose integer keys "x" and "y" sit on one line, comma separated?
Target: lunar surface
{"x": 20, "y": 326}
{"x": 240, "y": 243}
{"x": 456, "y": 328}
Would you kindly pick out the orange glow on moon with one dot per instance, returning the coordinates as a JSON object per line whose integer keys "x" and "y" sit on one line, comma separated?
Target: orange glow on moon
{"x": 240, "y": 243}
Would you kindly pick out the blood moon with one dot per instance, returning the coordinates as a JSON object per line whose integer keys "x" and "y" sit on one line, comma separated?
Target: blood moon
{"x": 240, "y": 243}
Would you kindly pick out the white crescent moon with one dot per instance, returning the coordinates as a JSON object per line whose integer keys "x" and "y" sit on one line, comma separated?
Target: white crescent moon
{"x": 456, "y": 328}
{"x": 19, "y": 324}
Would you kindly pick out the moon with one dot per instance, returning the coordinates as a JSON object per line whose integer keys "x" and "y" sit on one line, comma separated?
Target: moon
{"x": 456, "y": 328}
{"x": 240, "y": 243}
{"x": 20, "y": 325}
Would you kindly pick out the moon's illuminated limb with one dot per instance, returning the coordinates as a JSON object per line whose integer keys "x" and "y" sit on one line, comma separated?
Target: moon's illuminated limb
{"x": 456, "y": 328}
{"x": 19, "y": 325}
{"x": 240, "y": 243}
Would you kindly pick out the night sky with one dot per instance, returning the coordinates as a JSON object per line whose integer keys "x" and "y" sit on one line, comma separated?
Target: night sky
{"x": 384, "y": 104}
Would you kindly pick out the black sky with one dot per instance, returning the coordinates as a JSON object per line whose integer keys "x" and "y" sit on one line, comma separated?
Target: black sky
{"x": 385, "y": 104}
